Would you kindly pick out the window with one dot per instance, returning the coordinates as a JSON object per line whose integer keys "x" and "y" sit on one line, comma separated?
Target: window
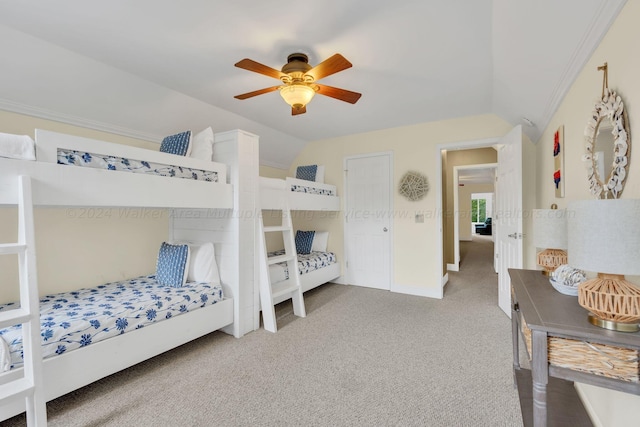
{"x": 478, "y": 210}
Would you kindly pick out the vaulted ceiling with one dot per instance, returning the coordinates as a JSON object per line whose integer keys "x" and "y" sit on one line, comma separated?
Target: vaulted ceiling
{"x": 413, "y": 61}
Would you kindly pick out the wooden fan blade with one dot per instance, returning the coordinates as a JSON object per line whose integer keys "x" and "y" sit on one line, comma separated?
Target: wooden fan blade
{"x": 257, "y": 92}
{"x": 329, "y": 66}
{"x": 296, "y": 111}
{"x": 337, "y": 93}
{"x": 256, "y": 67}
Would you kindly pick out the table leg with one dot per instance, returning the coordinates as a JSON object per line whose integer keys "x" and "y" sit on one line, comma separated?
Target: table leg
{"x": 514, "y": 336}
{"x": 540, "y": 376}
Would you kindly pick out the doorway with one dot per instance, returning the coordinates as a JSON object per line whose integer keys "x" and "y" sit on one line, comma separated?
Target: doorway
{"x": 508, "y": 225}
{"x": 467, "y": 180}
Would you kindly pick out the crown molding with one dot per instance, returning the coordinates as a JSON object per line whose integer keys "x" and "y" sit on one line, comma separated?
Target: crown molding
{"x": 42, "y": 113}
{"x": 274, "y": 164}
{"x": 602, "y": 20}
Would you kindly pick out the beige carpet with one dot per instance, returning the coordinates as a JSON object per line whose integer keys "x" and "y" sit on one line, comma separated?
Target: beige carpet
{"x": 361, "y": 357}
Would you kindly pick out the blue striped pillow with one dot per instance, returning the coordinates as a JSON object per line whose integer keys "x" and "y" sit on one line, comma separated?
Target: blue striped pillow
{"x": 172, "y": 265}
{"x": 179, "y": 144}
{"x": 304, "y": 241}
{"x": 307, "y": 173}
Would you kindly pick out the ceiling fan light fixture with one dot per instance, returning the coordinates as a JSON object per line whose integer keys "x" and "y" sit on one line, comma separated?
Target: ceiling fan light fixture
{"x": 297, "y": 95}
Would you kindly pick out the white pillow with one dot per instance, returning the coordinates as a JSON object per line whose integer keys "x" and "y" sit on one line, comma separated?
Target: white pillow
{"x": 17, "y": 146}
{"x": 202, "y": 145}
{"x": 202, "y": 264}
{"x": 320, "y": 175}
{"x": 320, "y": 239}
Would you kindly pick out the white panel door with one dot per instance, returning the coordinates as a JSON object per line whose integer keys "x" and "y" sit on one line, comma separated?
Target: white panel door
{"x": 508, "y": 215}
{"x": 368, "y": 224}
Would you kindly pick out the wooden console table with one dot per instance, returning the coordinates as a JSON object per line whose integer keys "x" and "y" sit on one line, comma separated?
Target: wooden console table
{"x": 547, "y": 395}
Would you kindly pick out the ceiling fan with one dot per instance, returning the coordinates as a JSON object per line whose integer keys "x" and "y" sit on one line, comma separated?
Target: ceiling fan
{"x": 299, "y": 80}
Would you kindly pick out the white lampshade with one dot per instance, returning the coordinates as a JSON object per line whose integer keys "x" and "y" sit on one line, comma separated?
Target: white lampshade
{"x": 604, "y": 235}
{"x": 550, "y": 228}
{"x": 297, "y": 95}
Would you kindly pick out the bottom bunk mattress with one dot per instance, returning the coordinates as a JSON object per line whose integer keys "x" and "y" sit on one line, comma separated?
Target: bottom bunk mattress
{"x": 306, "y": 264}
{"x": 79, "y": 318}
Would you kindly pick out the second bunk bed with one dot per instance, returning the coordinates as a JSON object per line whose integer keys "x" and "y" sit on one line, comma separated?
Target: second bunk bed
{"x": 306, "y": 192}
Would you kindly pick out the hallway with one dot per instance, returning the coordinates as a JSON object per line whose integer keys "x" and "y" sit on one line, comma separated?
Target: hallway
{"x": 476, "y": 268}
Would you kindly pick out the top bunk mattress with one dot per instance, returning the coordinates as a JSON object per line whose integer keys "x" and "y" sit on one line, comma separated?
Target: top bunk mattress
{"x": 80, "y": 318}
{"x": 123, "y": 164}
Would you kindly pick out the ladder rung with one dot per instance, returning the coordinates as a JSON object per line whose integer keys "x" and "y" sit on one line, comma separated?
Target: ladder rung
{"x": 12, "y": 248}
{"x": 20, "y": 388}
{"x": 280, "y": 258}
{"x": 14, "y": 317}
{"x": 274, "y": 228}
{"x": 283, "y": 288}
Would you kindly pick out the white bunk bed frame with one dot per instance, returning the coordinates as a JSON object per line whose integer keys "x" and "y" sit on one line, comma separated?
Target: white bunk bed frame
{"x": 64, "y": 185}
{"x": 276, "y": 193}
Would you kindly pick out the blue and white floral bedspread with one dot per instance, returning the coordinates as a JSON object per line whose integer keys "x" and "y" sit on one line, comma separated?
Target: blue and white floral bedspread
{"x": 80, "y": 318}
{"x": 312, "y": 190}
{"x": 306, "y": 264}
{"x": 99, "y": 161}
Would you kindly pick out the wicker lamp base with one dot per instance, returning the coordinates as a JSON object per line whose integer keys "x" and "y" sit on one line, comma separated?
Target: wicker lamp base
{"x": 550, "y": 259}
{"x": 614, "y": 303}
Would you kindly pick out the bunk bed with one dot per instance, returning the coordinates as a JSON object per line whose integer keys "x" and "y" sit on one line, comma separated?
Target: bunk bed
{"x": 57, "y": 181}
{"x": 315, "y": 267}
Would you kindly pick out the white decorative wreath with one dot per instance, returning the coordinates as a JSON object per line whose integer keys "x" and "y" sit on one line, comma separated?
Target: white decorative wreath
{"x": 414, "y": 186}
{"x": 612, "y": 108}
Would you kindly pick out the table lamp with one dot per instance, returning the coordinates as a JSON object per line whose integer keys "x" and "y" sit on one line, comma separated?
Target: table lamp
{"x": 604, "y": 237}
{"x": 550, "y": 232}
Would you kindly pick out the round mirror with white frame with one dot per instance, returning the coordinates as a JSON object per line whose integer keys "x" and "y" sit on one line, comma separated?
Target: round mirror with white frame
{"x": 608, "y": 145}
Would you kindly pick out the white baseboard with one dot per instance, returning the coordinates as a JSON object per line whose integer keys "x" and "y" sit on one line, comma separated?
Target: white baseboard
{"x": 453, "y": 267}
{"x": 445, "y": 279}
{"x": 340, "y": 280}
{"x": 588, "y": 406}
{"x": 418, "y": 291}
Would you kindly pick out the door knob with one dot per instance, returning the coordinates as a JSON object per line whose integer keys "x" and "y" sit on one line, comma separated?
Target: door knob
{"x": 385, "y": 229}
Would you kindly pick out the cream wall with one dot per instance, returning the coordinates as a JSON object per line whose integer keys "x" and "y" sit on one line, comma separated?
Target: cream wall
{"x": 416, "y": 245}
{"x": 618, "y": 49}
{"x": 271, "y": 172}
{"x": 84, "y": 246}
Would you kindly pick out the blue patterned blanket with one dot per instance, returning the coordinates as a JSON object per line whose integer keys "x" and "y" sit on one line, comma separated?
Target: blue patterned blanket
{"x": 99, "y": 161}
{"x": 306, "y": 264}
{"x": 312, "y": 190}
{"x": 80, "y": 318}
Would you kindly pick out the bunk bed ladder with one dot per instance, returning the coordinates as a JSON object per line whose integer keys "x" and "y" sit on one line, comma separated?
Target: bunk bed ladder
{"x": 292, "y": 286}
{"x": 29, "y": 386}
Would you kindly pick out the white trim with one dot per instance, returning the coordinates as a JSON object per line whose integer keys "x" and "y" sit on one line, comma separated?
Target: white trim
{"x": 602, "y": 21}
{"x": 418, "y": 291}
{"x": 345, "y": 224}
{"x": 340, "y": 281}
{"x": 42, "y": 113}
{"x": 453, "y": 267}
{"x": 445, "y": 280}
